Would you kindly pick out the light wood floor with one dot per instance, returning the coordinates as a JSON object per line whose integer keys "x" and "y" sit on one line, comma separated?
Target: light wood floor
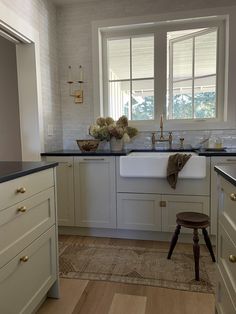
{"x": 100, "y": 297}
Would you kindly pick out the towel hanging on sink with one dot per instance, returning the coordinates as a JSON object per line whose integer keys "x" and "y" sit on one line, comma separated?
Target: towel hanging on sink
{"x": 176, "y": 163}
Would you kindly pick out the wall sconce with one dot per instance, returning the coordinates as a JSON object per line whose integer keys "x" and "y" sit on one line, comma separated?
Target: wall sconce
{"x": 77, "y": 93}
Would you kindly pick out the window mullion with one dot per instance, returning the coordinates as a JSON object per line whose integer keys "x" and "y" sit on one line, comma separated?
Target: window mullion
{"x": 160, "y": 61}
{"x": 130, "y": 118}
{"x": 193, "y": 76}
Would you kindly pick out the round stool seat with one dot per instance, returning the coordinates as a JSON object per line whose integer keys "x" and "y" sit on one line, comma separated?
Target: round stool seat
{"x": 192, "y": 220}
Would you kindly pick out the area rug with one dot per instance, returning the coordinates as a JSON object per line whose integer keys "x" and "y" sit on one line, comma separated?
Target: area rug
{"x": 136, "y": 265}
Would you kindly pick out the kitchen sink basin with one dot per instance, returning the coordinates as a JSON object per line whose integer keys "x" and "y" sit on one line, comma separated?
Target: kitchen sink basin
{"x": 154, "y": 165}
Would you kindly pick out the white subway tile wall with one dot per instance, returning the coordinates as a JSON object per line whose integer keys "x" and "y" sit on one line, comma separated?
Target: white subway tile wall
{"x": 65, "y": 39}
{"x": 41, "y": 14}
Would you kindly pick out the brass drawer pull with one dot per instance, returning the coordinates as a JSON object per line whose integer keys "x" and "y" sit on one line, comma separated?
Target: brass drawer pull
{"x": 24, "y": 258}
{"x": 232, "y": 258}
{"x": 21, "y": 209}
{"x": 233, "y": 197}
{"x": 21, "y": 190}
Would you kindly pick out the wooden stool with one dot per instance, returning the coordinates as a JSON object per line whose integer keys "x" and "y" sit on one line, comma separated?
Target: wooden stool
{"x": 194, "y": 221}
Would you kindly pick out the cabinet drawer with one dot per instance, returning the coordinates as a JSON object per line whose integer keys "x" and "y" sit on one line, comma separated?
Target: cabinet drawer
{"x": 24, "y": 284}
{"x": 138, "y": 211}
{"x": 227, "y": 247}
{"x": 29, "y": 185}
{"x": 224, "y": 302}
{"x": 228, "y": 205}
{"x": 24, "y": 222}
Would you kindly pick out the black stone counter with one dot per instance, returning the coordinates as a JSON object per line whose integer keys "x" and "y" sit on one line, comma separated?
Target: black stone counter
{"x": 10, "y": 170}
{"x": 226, "y": 152}
{"x": 79, "y": 153}
{"x": 228, "y": 172}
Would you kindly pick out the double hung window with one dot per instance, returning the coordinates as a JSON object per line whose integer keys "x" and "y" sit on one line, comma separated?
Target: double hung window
{"x": 178, "y": 76}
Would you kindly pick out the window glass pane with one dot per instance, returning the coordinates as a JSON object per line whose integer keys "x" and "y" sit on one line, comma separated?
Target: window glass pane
{"x": 205, "y": 54}
{"x": 118, "y": 54}
{"x": 143, "y": 57}
{"x": 205, "y": 97}
{"x": 182, "y": 59}
{"x": 119, "y": 99}
{"x": 143, "y": 100}
{"x": 182, "y": 100}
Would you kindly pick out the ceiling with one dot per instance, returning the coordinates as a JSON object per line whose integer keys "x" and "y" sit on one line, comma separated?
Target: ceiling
{"x": 63, "y": 2}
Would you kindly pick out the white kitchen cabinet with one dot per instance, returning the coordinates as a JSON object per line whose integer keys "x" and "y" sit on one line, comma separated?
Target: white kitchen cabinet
{"x": 226, "y": 249}
{"x": 214, "y": 192}
{"x": 65, "y": 190}
{"x": 28, "y": 242}
{"x": 173, "y": 204}
{"x": 95, "y": 192}
{"x": 139, "y": 211}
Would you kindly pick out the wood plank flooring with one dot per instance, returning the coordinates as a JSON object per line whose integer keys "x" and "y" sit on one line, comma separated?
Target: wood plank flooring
{"x": 100, "y": 297}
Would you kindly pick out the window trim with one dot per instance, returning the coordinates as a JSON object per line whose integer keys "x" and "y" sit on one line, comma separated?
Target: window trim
{"x": 200, "y": 18}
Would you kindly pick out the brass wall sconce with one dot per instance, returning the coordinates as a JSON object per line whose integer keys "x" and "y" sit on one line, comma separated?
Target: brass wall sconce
{"x": 77, "y": 93}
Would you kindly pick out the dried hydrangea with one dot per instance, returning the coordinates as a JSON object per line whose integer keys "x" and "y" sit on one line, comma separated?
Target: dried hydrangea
{"x": 122, "y": 122}
{"x": 106, "y": 128}
{"x": 109, "y": 121}
{"x": 101, "y": 121}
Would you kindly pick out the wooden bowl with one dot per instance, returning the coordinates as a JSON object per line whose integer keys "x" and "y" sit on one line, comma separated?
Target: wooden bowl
{"x": 88, "y": 145}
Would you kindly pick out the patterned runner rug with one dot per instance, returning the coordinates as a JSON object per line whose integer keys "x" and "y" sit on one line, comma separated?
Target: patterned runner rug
{"x": 133, "y": 264}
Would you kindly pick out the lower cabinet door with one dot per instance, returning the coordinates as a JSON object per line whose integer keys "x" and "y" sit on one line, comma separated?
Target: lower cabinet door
{"x": 65, "y": 190}
{"x": 173, "y": 204}
{"x": 26, "y": 278}
{"x": 138, "y": 211}
{"x": 224, "y": 302}
{"x": 95, "y": 192}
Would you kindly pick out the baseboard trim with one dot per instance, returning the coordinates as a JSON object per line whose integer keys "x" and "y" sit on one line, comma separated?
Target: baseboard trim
{"x": 129, "y": 234}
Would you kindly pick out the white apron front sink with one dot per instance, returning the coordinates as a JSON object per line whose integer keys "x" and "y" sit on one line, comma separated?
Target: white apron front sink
{"x": 154, "y": 165}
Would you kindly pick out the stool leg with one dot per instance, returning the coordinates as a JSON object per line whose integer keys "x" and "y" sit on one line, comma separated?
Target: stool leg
{"x": 196, "y": 252}
{"x": 174, "y": 241}
{"x": 208, "y": 244}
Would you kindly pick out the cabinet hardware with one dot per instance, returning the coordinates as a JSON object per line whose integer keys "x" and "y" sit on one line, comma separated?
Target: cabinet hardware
{"x": 24, "y": 258}
{"x": 233, "y": 197}
{"x": 162, "y": 203}
{"x": 92, "y": 159}
{"x": 21, "y": 209}
{"x": 21, "y": 190}
{"x": 232, "y": 258}
{"x": 231, "y": 160}
{"x": 69, "y": 165}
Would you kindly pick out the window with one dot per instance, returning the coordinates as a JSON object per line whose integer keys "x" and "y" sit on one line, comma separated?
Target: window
{"x": 131, "y": 77}
{"x": 171, "y": 70}
{"x": 192, "y": 74}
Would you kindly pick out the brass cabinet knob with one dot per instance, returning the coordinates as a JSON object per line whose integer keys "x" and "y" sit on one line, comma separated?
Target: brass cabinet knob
{"x": 21, "y": 190}
{"x": 24, "y": 258}
{"x": 21, "y": 209}
{"x": 233, "y": 197}
{"x": 232, "y": 258}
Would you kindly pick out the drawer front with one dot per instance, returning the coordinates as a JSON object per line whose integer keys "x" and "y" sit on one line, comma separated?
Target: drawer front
{"x": 138, "y": 212}
{"x": 24, "y": 222}
{"x": 227, "y": 249}
{"x": 175, "y": 204}
{"x": 227, "y": 208}
{"x": 224, "y": 302}
{"x": 15, "y": 191}
{"x": 24, "y": 283}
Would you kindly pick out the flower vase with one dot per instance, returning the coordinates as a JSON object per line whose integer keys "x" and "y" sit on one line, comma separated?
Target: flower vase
{"x": 104, "y": 146}
{"x": 117, "y": 144}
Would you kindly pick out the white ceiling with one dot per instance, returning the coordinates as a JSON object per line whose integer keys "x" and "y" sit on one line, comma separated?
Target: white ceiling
{"x": 63, "y": 2}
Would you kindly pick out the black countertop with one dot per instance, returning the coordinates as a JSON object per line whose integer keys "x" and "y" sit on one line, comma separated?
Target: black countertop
{"x": 10, "y": 170}
{"x": 226, "y": 152}
{"x": 228, "y": 172}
